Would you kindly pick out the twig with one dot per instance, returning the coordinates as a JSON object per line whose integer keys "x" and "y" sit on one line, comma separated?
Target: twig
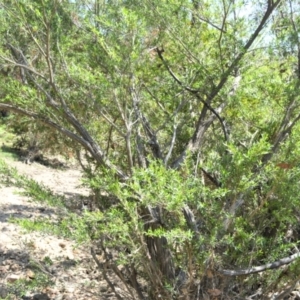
{"x": 193, "y": 91}
{"x": 172, "y": 145}
{"x": 102, "y": 267}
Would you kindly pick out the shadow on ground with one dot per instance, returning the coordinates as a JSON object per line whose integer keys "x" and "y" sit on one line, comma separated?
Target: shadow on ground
{"x": 24, "y": 211}
{"x": 21, "y": 154}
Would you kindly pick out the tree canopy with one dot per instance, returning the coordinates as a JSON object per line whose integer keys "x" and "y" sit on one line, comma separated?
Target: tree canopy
{"x": 184, "y": 117}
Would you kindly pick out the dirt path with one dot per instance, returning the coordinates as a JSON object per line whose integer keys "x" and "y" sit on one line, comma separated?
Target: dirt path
{"x": 70, "y": 268}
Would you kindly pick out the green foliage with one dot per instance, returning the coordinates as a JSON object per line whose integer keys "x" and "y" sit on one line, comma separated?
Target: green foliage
{"x": 188, "y": 116}
{"x": 36, "y": 191}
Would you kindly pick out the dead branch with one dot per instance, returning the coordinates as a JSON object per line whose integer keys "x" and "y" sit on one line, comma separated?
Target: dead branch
{"x": 258, "y": 269}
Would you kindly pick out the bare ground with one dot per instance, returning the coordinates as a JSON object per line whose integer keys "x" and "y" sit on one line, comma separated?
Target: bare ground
{"x": 24, "y": 255}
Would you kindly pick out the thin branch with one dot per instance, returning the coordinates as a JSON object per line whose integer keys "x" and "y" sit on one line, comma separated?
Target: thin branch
{"x": 170, "y": 117}
{"x": 102, "y": 268}
{"x": 112, "y": 123}
{"x": 202, "y": 125}
{"x": 156, "y": 100}
{"x": 46, "y": 121}
{"x": 273, "y": 265}
{"x": 48, "y": 57}
{"x": 212, "y": 24}
{"x": 222, "y": 32}
{"x": 23, "y": 66}
{"x": 84, "y": 168}
{"x": 89, "y": 144}
{"x": 153, "y": 142}
{"x": 211, "y": 178}
{"x": 142, "y": 160}
{"x": 34, "y": 40}
{"x": 171, "y": 146}
{"x": 134, "y": 283}
{"x": 254, "y": 296}
{"x": 236, "y": 61}
{"x": 282, "y": 134}
{"x": 122, "y": 278}
{"x": 96, "y": 151}
{"x": 193, "y": 91}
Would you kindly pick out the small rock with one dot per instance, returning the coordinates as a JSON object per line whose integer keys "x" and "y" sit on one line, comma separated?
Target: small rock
{"x": 7, "y": 262}
{"x": 3, "y": 270}
{"x": 15, "y": 267}
{"x": 41, "y": 297}
{"x": 12, "y": 278}
{"x": 30, "y": 274}
{"x": 62, "y": 245}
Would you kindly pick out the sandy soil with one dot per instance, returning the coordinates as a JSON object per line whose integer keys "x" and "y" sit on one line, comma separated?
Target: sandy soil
{"x": 72, "y": 269}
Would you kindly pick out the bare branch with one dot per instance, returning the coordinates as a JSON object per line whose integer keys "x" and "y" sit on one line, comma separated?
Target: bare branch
{"x": 89, "y": 144}
{"x": 202, "y": 124}
{"x": 190, "y": 220}
{"x": 223, "y": 31}
{"x": 193, "y": 91}
{"x": 112, "y": 123}
{"x": 140, "y": 149}
{"x": 171, "y": 146}
{"x": 236, "y": 61}
{"x": 22, "y": 65}
{"x": 153, "y": 142}
{"x": 212, "y": 24}
{"x": 252, "y": 270}
{"x": 46, "y": 121}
